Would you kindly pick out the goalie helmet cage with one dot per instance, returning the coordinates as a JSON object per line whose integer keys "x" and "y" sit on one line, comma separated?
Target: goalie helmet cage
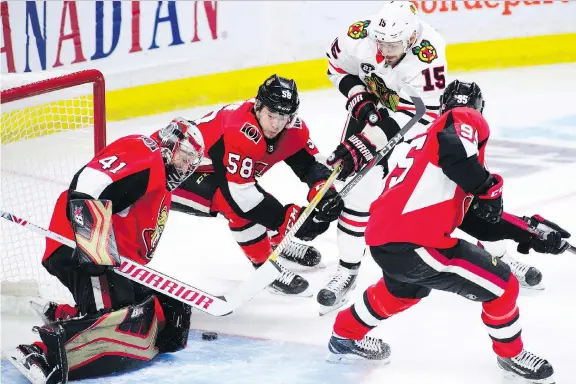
{"x": 53, "y": 123}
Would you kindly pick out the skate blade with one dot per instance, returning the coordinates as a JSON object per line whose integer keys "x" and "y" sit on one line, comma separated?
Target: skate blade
{"x": 34, "y": 376}
{"x": 351, "y": 359}
{"x": 38, "y": 307}
{"x": 537, "y": 287}
{"x": 326, "y": 309}
{"x": 306, "y": 293}
{"x": 519, "y": 379}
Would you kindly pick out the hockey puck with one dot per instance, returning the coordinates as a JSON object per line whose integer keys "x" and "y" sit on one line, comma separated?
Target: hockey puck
{"x": 209, "y": 335}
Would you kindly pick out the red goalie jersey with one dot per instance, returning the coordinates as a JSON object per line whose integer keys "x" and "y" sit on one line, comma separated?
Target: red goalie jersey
{"x": 131, "y": 173}
{"x": 427, "y": 192}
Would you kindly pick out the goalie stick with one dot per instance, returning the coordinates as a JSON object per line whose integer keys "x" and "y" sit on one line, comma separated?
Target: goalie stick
{"x": 206, "y": 302}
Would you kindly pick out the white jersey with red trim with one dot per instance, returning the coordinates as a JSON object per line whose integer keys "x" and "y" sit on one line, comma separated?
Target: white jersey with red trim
{"x": 423, "y": 67}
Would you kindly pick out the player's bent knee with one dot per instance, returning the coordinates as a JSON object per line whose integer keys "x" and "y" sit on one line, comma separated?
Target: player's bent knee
{"x": 174, "y": 336}
{"x": 386, "y": 303}
{"x": 502, "y": 305}
{"x": 108, "y": 342}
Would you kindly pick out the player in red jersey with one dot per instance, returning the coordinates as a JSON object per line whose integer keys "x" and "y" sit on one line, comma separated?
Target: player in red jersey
{"x": 118, "y": 203}
{"x": 243, "y": 141}
{"x": 438, "y": 182}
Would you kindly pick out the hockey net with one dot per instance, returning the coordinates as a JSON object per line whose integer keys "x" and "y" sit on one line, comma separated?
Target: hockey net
{"x": 52, "y": 124}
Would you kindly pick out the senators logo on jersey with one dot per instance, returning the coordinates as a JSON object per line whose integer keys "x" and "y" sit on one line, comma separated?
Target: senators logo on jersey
{"x": 251, "y": 132}
{"x": 152, "y": 236}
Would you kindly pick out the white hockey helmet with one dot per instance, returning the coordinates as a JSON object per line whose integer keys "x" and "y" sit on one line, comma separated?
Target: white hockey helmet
{"x": 182, "y": 147}
{"x": 395, "y": 28}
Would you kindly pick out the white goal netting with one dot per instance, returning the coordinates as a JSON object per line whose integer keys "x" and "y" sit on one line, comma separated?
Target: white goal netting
{"x": 46, "y": 138}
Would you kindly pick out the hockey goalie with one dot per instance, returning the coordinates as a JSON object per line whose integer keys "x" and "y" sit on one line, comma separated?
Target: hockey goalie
{"x": 117, "y": 204}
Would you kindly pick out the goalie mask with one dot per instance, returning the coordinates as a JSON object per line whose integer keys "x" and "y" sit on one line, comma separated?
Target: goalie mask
{"x": 182, "y": 149}
{"x": 394, "y": 29}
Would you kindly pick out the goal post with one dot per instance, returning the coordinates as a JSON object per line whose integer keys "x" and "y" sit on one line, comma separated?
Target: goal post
{"x": 52, "y": 124}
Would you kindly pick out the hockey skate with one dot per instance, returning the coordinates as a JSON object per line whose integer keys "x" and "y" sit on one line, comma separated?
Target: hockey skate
{"x": 335, "y": 293}
{"x": 529, "y": 277}
{"x": 302, "y": 255}
{"x": 369, "y": 350}
{"x": 32, "y": 362}
{"x": 529, "y": 367}
{"x": 290, "y": 284}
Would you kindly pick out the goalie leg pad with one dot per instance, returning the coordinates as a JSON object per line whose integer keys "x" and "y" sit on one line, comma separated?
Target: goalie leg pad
{"x": 105, "y": 343}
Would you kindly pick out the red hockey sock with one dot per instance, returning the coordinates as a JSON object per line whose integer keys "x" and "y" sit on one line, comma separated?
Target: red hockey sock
{"x": 65, "y": 312}
{"x": 42, "y": 346}
{"x": 501, "y": 317}
{"x": 377, "y": 304}
{"x": 258, "y": 252}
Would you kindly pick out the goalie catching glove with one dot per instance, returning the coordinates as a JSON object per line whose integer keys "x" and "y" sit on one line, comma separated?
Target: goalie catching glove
{"x": 96, "y": 248}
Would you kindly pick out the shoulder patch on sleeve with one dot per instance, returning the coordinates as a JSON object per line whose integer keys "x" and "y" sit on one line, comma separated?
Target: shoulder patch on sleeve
{"x": 251, "y": 132}
{"x": 425, "y": 52}
{"x": 358, "y": 30}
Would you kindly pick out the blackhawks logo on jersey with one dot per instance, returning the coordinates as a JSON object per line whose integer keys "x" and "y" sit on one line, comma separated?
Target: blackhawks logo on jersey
{"x": 152, "y": 236}
{"x": 425, "y": 52}
{"x": 386, "y": 96}
{"x": 359, "y": 29}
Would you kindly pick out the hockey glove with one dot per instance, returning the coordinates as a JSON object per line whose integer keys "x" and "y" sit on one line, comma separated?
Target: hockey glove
{"x": 488, "y": 202}
{"x": 308, "y": 231}
{"x": 354, "y": 152}
{"x": 363, "y": 107}
{"x": 552, "y": 243}
{"x": 330, "y": 206}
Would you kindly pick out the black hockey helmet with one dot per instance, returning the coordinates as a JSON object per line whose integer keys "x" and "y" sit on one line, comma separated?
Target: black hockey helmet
{"x": 461, "y": 94}
{"x": 279, "y": 94}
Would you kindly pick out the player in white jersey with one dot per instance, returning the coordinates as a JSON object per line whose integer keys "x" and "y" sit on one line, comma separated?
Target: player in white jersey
{"x": 367, "y": 64}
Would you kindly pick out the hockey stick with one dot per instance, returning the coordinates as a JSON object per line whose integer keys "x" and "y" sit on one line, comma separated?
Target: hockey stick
{"x": 420, "y": 111}
{"x": 206, "y": 302}
{"x": 525, "y": 225}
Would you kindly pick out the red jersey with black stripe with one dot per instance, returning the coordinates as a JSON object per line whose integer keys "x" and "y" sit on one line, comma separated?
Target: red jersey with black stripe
{"x": 130, "y": 172}
{"x": 427, "y": 191}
